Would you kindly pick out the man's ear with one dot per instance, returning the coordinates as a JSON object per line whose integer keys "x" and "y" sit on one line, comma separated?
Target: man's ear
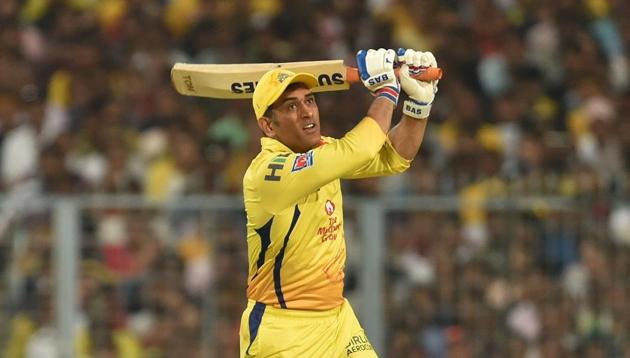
{"x": 265, "y": 125}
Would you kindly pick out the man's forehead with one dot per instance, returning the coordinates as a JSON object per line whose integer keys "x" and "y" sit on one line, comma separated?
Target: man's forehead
{"x": 295, "y": 90}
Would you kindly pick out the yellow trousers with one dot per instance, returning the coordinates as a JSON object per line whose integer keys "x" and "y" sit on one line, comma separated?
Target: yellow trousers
{"x": 274, "y": 332}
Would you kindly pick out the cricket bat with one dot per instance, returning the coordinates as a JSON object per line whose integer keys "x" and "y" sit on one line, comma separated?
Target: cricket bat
{"x": 238, "y": 81}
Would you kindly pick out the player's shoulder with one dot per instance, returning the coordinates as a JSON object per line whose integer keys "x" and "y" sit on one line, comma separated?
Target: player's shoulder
{"x": 265, "y": 158}
{"x": 327, "y": 140}
{"x": 264, "y": 162}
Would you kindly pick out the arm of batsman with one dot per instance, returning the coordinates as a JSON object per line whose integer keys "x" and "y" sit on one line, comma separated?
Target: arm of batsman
{"x": 376, "y": 69}
{"x": 421, "y": 93}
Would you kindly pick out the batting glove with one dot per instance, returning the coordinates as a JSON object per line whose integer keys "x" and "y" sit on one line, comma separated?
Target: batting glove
{"x": 421, "y": 93}
{"x": 376, "y": 68}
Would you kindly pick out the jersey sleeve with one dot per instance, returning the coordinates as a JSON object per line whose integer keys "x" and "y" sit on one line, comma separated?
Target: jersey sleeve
{"x": 282, "y": 179}
{"x": 386, "y": 162}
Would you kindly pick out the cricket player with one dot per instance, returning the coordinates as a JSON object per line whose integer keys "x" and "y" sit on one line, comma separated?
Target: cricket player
{"x": 294, "y": 206}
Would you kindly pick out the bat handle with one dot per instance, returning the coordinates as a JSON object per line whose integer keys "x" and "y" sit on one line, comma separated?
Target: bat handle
{"x": 429, "y": 74}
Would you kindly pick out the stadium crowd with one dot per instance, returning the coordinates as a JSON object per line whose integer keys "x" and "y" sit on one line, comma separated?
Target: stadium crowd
{"x": 534, "y": 102}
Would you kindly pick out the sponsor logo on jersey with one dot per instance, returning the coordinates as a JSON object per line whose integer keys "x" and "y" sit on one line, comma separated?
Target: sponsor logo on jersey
{"x": 303, "y": 161}
{"x": 330, "y": 230}
{"x": 277, "y": 164}
{"x": 358, "y": 344}
{"x": 329, "y": 207}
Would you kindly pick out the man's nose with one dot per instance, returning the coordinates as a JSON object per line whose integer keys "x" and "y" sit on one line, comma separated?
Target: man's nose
{"x": 306, "y": 110}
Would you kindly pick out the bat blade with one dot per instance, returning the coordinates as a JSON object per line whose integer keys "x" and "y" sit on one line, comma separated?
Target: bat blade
{"x": 238, "y": 81}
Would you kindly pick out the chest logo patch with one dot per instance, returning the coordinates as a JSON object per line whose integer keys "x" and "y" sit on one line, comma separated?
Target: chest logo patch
{"x": 329, "y": 207}
{"x": 302, "y": 161}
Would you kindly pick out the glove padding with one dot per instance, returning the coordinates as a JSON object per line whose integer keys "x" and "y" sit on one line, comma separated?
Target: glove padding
{"x": 376, "y": 69}
{"x": 421, "y": 93}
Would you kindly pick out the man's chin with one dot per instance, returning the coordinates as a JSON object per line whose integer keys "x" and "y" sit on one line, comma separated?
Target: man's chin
{"x": 314, "y": 140}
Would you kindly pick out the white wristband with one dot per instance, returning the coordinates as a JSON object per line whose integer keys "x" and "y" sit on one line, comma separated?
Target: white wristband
{"x": 416, "y": 109}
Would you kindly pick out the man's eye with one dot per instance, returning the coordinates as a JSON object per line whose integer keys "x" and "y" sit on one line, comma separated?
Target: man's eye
{"x": 310, "y": 100}
{"x": 292, "y": 106}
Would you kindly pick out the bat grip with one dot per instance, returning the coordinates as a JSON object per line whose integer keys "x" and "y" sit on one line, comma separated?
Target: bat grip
{"x": 429, "y": 74}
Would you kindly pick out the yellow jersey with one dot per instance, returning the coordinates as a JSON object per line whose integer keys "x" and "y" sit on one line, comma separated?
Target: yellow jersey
{"x": 295, "y": 237}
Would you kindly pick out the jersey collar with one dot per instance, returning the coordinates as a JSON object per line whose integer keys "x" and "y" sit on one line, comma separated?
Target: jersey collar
{"x": 274, "y": 145}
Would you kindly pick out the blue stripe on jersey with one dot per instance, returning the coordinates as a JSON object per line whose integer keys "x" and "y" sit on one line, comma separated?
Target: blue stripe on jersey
{"x": 255, "y": 318}
{"x": 265, "y": 240}
{"x": 278, "y": 264}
